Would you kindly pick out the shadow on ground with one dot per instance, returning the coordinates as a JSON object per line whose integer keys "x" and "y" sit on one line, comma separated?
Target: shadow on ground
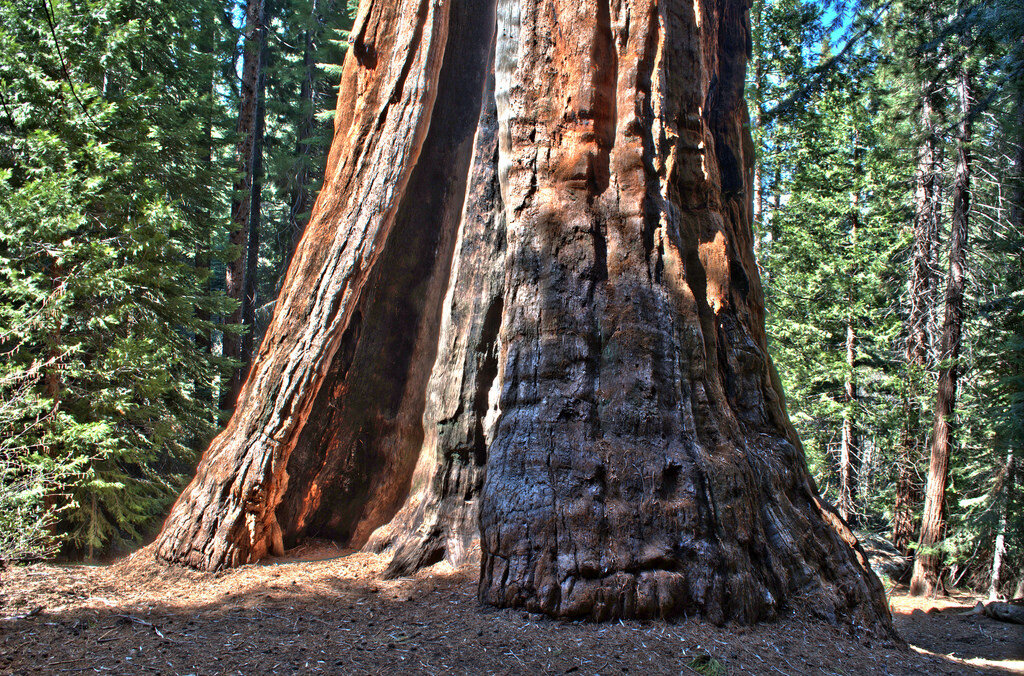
{"x": 955, "y": 631}
{"x": 332, "y": 614}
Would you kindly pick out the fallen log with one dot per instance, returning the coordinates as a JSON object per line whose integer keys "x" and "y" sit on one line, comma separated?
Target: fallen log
{"x": 1005, "y": 612}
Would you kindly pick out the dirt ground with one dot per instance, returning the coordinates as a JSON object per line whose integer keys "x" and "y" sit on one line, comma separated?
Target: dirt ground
{"x": 321, "y": 610}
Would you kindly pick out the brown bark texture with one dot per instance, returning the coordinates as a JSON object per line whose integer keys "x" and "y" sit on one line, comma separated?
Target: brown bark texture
{"x": 849, "y": 453}
{"x": 244, "y": 222}
{"x": 439, "y": 519}
{"x": 526, "y": 309}
{"x": 228, "y": 515}
{"x": 920, "y": 291}
{"x": 643, "y": 464}
{"x": 928, "y": 560}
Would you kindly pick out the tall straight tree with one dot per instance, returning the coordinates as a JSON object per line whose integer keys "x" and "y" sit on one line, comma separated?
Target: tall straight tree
{"x": 244, "y": 234}
{"x": 928, "y": 560}
{"x": 252, "y": 238}
{"x": 300, "y": 200}
{"x": 104, "y": 192}
{"x": 613, "y": 380}
{"x": 920, "y": 294}
{"x": 849, "y": 453}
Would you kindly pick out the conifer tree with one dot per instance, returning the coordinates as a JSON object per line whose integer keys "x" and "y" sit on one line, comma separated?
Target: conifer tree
{"x": 102, "y": 196}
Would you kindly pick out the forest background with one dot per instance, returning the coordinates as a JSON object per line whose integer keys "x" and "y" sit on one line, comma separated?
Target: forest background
{"x": 158, "y": 162}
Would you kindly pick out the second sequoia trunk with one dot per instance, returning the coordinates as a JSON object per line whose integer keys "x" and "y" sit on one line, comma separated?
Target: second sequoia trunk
{"x": 531, "y": 313}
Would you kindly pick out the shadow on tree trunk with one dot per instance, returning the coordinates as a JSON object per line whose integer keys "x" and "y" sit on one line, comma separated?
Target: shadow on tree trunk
{"x": 566, "y": 334}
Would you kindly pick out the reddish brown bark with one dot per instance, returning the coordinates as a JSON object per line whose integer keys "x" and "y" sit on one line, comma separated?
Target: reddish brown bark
{"x": 576, "y": 313}
{"x": 643, "y": 464}
{"x": 928, "y": 561}
{"x": 920, "y": 291}
{"x": 849, "y": 453}
{"x": 244, "y": 234}
{"x": 228, "y": 515}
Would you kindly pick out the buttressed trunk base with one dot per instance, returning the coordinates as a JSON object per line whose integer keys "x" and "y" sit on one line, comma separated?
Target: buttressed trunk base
{"x": 526, "y": 310}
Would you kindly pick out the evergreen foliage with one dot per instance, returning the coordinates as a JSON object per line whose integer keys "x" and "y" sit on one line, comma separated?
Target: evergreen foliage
{"x": 100, "y": 190}
{"x": 845, "y": 152}
{"x": 114, "y": 192}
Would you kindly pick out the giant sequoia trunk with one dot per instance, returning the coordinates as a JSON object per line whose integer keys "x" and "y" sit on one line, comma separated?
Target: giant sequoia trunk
{"x": 526, "y": 310}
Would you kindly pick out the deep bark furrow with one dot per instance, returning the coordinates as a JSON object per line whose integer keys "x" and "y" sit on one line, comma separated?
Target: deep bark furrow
{"x": 226, "y": 515}
{"x": 375, "y": 419}
{"x": 540, "y": 316}
{"x": 639, "y": 467}
{"x": 439, "y": 518}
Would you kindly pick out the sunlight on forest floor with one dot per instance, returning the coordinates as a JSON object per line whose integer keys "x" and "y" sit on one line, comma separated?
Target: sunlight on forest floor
{"x": 321, "y": 609}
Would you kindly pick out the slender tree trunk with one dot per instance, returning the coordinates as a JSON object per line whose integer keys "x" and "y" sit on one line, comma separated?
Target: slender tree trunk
{"x": 776, "y": 201}
{"x": 999, "y": 550}
{"x": 52, "y": 381}
{"x": 204, "y": 388}
{"x": 252, "y": 244}
{"x": 919, "y": 294}
{"x": 758, "y": 216}
{"x": 1012, "y": 463}
{"x": 242, "y": 220}
{"x": 849, "y": 456}
{"x": 300, "y": 201}
{"x": 576, "y": 315}
{"x": 51, "y": 373}
{"x": 928, "y": 561}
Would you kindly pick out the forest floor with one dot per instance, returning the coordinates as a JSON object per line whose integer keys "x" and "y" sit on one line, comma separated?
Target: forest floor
{"x": 322, "y": 610}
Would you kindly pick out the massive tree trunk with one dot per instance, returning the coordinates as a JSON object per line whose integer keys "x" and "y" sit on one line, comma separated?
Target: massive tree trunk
{"x": 928, "y": 561}
{"x": 920, "y": 291}
{"x": 327, "y": 429}
{"x": 528, "y": 312}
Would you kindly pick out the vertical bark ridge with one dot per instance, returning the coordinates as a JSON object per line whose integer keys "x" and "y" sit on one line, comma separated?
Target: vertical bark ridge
{"x": 643, "y": 464}
{"x": 439, "y": 519}
{"x": 226, "y": 516}
{"x": 357, "y": 463}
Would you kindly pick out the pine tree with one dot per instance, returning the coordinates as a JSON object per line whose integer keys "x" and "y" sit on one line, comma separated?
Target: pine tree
{"x": 103, "y": 193}
{"x": 830, "y": 264}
